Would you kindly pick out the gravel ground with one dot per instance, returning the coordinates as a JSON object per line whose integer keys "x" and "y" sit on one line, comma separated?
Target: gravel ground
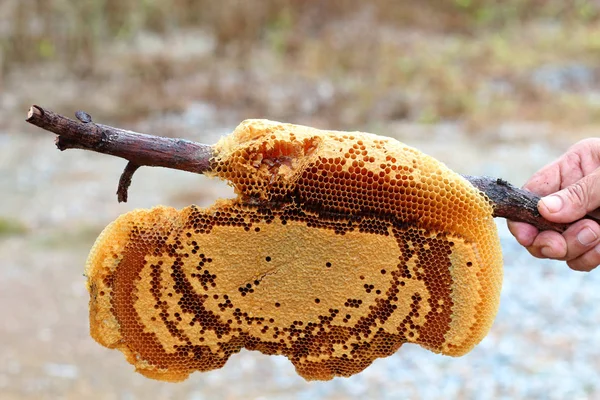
{"x": 544, "y": 344}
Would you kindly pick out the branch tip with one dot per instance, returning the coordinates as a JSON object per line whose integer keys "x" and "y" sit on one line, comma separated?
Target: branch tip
{"x": 35, "y": 111}
{"x": 125, "y": 181}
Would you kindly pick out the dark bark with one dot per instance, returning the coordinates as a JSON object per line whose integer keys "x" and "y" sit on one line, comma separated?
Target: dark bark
{"x": 139, "y": 148}
{"x": 155, "y": 151}
{"x": 513, "y": 203}
{"x": 125, "y": 181}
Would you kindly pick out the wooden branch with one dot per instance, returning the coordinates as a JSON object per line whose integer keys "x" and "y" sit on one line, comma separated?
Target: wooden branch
{"x": 125, "y": 181}
{"x": 140, "y": 149}
{"x": 155, "y": 151}
{"x": 513, "y": 203}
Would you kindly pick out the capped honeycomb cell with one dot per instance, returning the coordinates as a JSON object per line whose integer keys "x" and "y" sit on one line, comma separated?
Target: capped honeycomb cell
{"x": 339, "y": 248}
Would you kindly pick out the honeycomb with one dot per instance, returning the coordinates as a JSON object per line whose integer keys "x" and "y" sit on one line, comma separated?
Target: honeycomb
{"x": 339, "y": 248}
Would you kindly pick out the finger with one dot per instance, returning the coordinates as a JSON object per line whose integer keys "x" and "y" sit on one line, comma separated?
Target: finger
{"x": 557, "y": 175}
{"x": 587, "y": 261}
{"x": 523, "y": 232}
{"x": 549, "y": 244}
{"x": 581, "y": 237}
{"x": 580, "y": 160}
{"x": 574, "y": 201}
{"x": 545, "y": 181}
{"x": 588, "y": 151}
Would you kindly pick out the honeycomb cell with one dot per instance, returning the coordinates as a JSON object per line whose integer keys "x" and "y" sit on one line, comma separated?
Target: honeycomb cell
{"x": 338, "y": 249}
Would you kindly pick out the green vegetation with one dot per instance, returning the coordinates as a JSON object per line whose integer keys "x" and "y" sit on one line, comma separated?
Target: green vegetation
{"x": 11, "y": 227}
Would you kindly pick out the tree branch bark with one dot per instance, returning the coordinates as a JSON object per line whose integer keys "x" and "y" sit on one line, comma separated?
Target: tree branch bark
{"x": 155, "y": 151}
{"x": 125, "y": 181}
{"x": 139, "y": 148}
{"x": 513, "y": 203}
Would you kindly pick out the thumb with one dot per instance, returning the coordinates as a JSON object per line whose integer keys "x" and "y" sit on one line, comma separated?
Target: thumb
{"x": 574, "y": 201}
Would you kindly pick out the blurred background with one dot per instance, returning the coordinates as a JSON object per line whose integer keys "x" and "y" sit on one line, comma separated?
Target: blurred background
{"x": 495, "y": 88}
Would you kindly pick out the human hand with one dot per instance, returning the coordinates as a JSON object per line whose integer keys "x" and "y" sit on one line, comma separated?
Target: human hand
{"x": 571, "y": 189}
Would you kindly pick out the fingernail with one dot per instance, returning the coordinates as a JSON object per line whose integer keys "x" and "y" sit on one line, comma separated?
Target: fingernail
{"x": 546, "y": 251}
{"x": 553, "y": 203}
{"x": 586, "y": 236}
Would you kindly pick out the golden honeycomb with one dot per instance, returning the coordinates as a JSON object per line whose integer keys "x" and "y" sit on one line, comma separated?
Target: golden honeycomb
{"x": 339, "y": 248}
